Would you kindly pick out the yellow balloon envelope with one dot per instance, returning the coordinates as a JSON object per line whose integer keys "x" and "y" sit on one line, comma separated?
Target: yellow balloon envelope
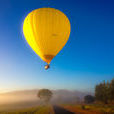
{"x": 46, "y": 30}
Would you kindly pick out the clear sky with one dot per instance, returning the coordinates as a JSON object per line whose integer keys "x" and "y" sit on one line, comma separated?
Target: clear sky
{"x": 87, "y": 58}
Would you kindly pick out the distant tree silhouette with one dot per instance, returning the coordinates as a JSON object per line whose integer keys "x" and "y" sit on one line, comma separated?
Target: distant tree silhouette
{"x": 112, "y": 90}
{"x": 104, "y": 92}
{"x": 45, "y": 95}
{"x": 89, "y": 99}
{"x": 101, "y": 92}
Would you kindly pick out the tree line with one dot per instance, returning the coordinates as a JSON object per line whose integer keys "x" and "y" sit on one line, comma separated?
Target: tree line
{"x": 104, "y": 93}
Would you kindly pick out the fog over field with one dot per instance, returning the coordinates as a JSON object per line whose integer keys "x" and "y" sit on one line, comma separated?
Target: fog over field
{"x": 31, "y": 96}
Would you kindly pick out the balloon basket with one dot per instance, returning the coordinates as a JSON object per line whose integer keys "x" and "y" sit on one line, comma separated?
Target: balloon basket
{"x": 47, "y": 66}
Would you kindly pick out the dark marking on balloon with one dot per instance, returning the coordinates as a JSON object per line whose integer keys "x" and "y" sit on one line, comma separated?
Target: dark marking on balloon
{"x": 49, "y": 57}
{"x": 54, "y": 34}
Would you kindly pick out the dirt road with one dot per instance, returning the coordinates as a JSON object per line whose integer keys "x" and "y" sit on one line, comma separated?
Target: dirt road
{"x": 60, "y": 110}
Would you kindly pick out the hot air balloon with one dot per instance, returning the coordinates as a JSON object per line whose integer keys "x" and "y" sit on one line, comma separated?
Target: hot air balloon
{"x": 46, "y": 30}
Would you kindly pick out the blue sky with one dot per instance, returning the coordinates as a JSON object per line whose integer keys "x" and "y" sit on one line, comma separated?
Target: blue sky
{"x": 87, "y": 58}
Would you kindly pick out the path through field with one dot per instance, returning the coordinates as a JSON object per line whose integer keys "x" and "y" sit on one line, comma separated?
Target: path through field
{"x": 60, "y": 110}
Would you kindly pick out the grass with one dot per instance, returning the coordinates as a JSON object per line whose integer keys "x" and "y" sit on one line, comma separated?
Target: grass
{"x": 48, "y": 109}
{"x": 90, "y": 109}
{"x": 35, "y": 110}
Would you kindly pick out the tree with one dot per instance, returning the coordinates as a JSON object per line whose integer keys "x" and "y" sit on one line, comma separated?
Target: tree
{"x": 102, "y": 91}
{"x": 89, "y": 99}
{"x": 45, "y": 95}
{"x": 112, "y": 90}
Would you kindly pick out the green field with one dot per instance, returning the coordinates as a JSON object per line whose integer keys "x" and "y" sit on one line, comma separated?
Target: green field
{"x": 49, "y": 109}
{"x": 34, "y": 110}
